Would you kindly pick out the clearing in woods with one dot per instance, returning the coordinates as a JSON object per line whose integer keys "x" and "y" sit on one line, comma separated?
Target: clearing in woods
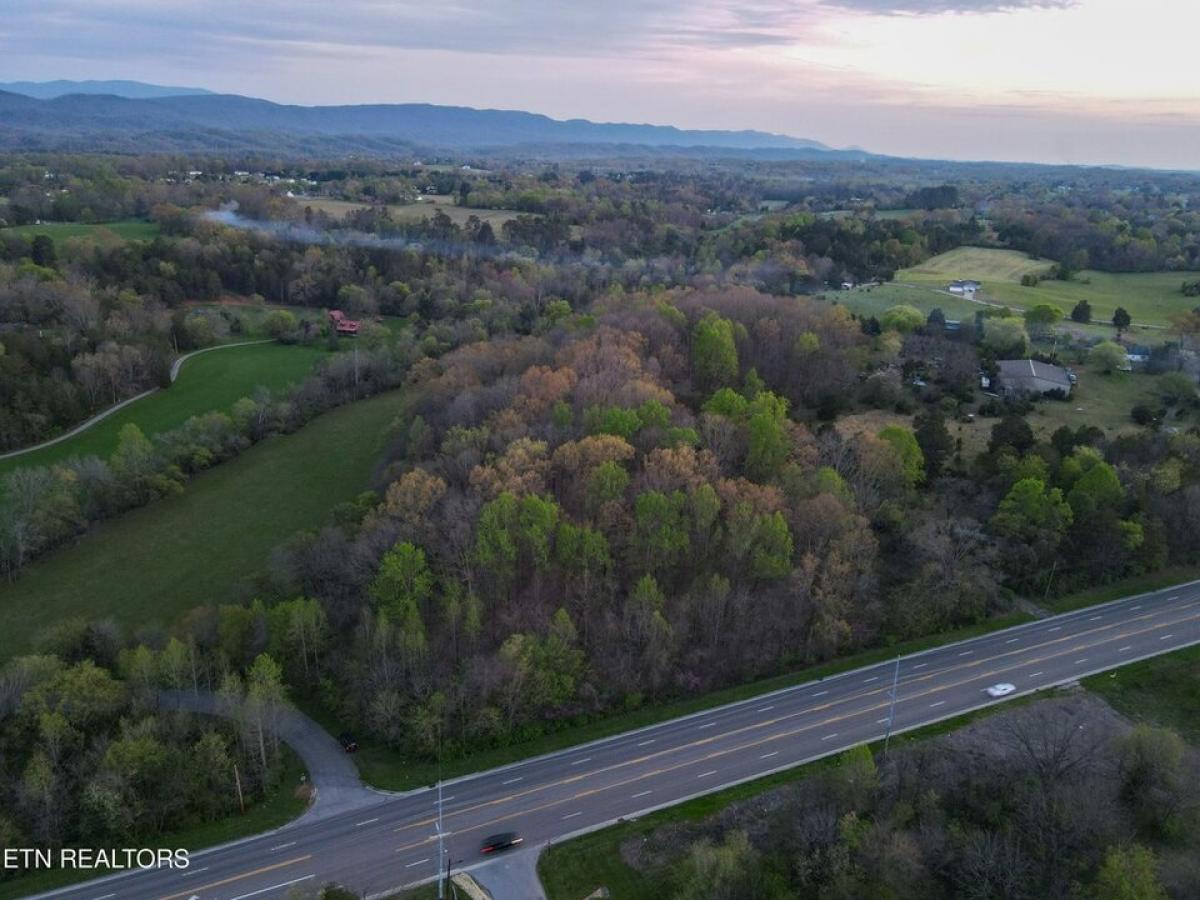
{"x": 128, "y": 230}
{"x": 415, "y": 212}
{"x": 210, "y": 381}
{"x": 148, "y": 566}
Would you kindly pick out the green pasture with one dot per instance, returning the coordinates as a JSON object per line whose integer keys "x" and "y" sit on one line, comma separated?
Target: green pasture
{"x": 149, "y": 565}
{"x": 210, "y": 381}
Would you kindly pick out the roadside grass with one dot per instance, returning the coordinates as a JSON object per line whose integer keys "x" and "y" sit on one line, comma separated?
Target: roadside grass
{"x": 425, "y": 208}
{"x": 389, "y": 769}
{"x": 210, "y": 381}
{"x": 1163, "y": 691}
{"x": 151, "y": 564}
{"x": 126, "y": 229}
{"x": 574, "y": 869}
{"x": 1126, "y": 587}
{"x": 279, "y": 808}
{"x": 1150, "y": 297}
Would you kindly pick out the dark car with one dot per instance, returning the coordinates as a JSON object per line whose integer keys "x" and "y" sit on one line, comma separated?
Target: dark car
{"x": 349, "y": 744}
{"x": 502, "y": 841}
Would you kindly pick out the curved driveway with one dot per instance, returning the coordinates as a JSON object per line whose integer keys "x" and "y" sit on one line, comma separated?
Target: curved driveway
{"x": 117, "y": 407}
{"x": 554, "y": 797}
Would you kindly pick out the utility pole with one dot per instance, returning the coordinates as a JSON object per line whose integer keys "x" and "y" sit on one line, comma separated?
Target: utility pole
{"x": 441, "y": 851}
{"x": 892, "y": 707}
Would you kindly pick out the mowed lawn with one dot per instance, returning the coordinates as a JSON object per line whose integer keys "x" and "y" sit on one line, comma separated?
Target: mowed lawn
{"x": 1151, "y": 298}
{"x": 127, "y": 229}
{"x": 210, "y": 381}
{"x": 150, "y": 565}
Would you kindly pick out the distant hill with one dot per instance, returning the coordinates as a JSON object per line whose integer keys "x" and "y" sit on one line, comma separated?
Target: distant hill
{"x": 229, "y": 122}
{"x": 134, "y": 90}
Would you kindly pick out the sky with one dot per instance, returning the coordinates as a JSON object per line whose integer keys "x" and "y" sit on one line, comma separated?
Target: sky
{"x": 1056, "y": 81}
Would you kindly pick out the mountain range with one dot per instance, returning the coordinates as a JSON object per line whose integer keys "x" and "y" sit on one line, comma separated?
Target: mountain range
{"x": 137, "y": 117}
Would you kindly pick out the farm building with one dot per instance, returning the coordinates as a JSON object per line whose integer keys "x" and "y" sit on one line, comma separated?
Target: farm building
{"x": 1028, "y": 376}
{"x": 964, "y": 287}
{"x": 342, "y": 325}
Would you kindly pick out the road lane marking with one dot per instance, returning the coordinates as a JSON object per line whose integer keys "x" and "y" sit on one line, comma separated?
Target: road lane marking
{"x": 754, "y": 743}
{"x": 417, "y": 863}
{"x": 938, "y": 703}
{"x": 647, "y": 743}
{"x": 882, "y": 721}
{"x": 1176, "y": 597}
{"x": 1166, "y": 637}
{"x": 1139, "y": 606}
{"x": 820, "y": 693}
{"x": 1012, "y": 640}
{"x": 193, "y": 872}
{"x": 274, "y": 887}
{"x": 580, "y": 762}
{"x": 766, "y": 709}
{"x": 1093, "y": 618}
{"x": 242, "y": 877}
{"x": 104, "y": 897}
{"x": 706, "y": 774}
{"x": 642, "y": 794}
{"x": 1055, "y": 628}
{"x": 366, "y": 822}
{"x": 282, "y": 846}
{"x": 708, "y": 724}
{"x": 1080, "y": 662}
{"x": 1036, "y": 674}
{"x": 920, "y": 665}
{"x": 572, "y": 815}
{"x": 512, "y": 780}
{"x": 966, "y": 653}
{"x": 1124, "y": 649}
{"x": 872, "y": 678}
{"x": 769, "y": 755}
{"x": 1106, "y": 630}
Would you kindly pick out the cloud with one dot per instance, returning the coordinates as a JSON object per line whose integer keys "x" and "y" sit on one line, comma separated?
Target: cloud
{"x": 934, "y": 7}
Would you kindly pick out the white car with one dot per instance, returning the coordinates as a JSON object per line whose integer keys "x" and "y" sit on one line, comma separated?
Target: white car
{"x": 1003, "y": 689}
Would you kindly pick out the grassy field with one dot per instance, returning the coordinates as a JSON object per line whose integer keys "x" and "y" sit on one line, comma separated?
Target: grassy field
{"x": 280, "y": 807}
{"x": 210, "y": 381}
{"x": 1150, "y": 297}
{"x": 1164, "y": 690}
{"x": 415, "y": 212}
{"x": 128, "y": 230}
{"x": 153, "y": 563}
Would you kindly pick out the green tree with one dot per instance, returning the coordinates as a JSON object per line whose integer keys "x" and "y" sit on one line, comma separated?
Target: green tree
{"x": 1121, "y": 319}
{"x": 912, "y": 460}
{"x": 768, "y": 443}
{"x": 42, "y": 251}
{"x": 902, "y": 318}
{"x": 661, "y": 537}
{"x": 934, "y": 440}
{"x": 1030, "y": 511}
{"x": 607, "y": 482}
{"x": 1082, "y": 312}
{"x": 714, "y": 353}
{"x": 771, "y": 554}
{"x": 1005, "y": 335}
{"x": 401, "y": 588}
{"x": 1011, "y": 431}
{"x": 1042, "y": 318}
{"x": 279, "y": 322}
{"x": 1128, "y": 873}
{"x": 1107, "y": 357}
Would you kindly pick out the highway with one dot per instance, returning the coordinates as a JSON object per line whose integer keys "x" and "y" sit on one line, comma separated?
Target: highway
{"x": 559, "y": 795}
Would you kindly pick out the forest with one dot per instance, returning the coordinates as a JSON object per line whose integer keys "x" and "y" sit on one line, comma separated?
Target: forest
{"x": 619, "y": 477}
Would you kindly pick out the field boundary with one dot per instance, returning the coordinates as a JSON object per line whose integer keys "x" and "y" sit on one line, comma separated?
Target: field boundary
{"x": 104, "y": 414}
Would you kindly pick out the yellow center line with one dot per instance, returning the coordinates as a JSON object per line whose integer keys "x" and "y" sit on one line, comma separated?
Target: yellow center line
{"x": 767, "y": 723}
{"x": 204, "y": 887}
{"x": 767, "y": 739}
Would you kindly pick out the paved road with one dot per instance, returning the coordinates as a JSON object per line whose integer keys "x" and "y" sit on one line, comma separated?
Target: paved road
{"x": 559, "y": 795}
{"x": 331, "y": 772}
